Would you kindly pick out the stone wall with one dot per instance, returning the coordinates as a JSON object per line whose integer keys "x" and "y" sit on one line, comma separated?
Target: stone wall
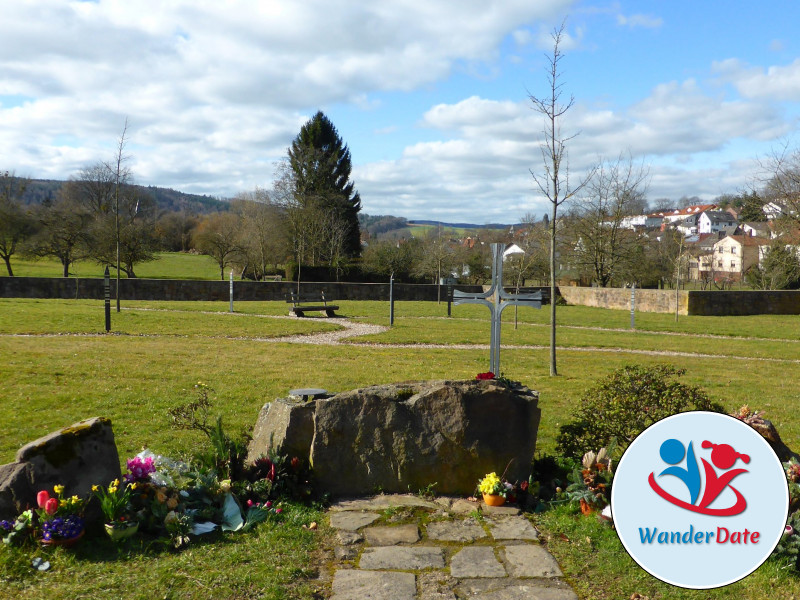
{"x": 178, "y": 289}
{"x": 692, "y": 302}
{"x": 662, "y": 301}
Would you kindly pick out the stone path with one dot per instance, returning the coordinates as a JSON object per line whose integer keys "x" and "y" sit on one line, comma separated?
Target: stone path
{"x": 402, "y": 547}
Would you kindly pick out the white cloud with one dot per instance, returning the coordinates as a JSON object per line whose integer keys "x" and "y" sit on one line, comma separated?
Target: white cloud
{"x": 639, "y": 20}
{"x": 778, "y": 83}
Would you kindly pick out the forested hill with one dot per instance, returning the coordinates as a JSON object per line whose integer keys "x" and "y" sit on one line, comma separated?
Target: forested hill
{"x": 167, "y": 199}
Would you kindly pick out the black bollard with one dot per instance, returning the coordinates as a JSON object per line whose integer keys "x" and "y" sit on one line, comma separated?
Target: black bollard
{"x": 107, "y": 296}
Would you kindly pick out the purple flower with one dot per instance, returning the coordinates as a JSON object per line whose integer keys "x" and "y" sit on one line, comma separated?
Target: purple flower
{"x": 140, "y": 469}
{"x": 7, "y": 525}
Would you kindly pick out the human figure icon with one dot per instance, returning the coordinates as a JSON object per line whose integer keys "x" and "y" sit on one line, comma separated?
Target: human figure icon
{"x": 672, "y": 452}
{"x": 723, "y": 456}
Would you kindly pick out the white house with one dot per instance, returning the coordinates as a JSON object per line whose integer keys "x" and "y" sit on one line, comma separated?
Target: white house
{"x": 712, "y": 221}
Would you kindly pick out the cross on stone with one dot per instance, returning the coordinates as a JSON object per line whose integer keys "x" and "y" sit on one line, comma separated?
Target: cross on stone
{"x": 496, "y": 299}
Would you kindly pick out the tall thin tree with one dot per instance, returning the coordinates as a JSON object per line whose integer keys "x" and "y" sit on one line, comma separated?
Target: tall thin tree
{"x": 553, "y": 182}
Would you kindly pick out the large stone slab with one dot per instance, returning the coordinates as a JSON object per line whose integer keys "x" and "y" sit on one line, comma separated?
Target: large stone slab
{"x": 391, "y": 536}
{"x": 402, "y": 558}
{"x": 351, "y": 521}
{"x": 531, "y": 561}
{"x": 407, "y": 436}
{"x": 16, "y": 489}
{"x": 478, "y": 561}
{"x": 512, "y": 528}
{"x": 455, "y": 531}
{"x": 514, "y": 589}
{"x": 77, "y": 457}
{"x": 285, "y": 425}
{"x": 374, "y": 585}
{"x": 383, "y": 502}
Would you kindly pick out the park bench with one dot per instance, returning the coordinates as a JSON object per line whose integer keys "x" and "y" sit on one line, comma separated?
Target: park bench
{"x": 302, "y": 303}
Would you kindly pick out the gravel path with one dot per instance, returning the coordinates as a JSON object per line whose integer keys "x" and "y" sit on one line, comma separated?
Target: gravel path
{"x": 351, "y": 329}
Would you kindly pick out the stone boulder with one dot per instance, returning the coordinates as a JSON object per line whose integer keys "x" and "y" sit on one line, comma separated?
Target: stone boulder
{"x": 402, "y": 437}
{"x": 77, "y": 457}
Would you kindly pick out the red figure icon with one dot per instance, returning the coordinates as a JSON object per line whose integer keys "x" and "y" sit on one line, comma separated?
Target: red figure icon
{"x": 724, "y": 457}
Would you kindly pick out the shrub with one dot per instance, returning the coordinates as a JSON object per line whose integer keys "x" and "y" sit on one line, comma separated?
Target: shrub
{"x": 625, "y": 403}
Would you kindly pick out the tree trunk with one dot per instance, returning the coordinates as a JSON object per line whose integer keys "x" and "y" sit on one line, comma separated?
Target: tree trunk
{"x": 553, "y": 370}
{"x": 66, "y": 263}
{"x": 8, "y": 266}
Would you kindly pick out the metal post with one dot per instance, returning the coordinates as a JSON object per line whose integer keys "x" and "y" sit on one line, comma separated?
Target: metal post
{"x": 449, "y": 297}
{"x": 107, "y": 298}
{"x": 231, "y": 290}
{"x": 391, "y": 300}
{"x": 633, "y": 306}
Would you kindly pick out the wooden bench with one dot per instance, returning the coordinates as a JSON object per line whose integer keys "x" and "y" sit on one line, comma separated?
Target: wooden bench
{"x": 302, "y": 303}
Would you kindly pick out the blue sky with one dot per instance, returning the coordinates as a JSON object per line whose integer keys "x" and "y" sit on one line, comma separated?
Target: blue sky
{"x": 431, "y": 96}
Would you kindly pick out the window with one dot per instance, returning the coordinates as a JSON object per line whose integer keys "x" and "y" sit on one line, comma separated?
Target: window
{"x": 733, "y": 250}
{"x": 733, "y": 264}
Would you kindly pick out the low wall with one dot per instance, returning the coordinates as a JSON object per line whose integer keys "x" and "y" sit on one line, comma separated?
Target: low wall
{"x": 692, "y": 302}
{"x": 177, "y": 289}
{"x": 661, "y": 301}
{"x": 775, "y": 302}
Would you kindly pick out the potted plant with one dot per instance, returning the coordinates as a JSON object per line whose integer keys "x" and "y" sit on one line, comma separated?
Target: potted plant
{"x": 493, "y": 489}
{"x": 591, "y": 485}
{"x": 60, "y": 519}
{"x": 115, "y": 502}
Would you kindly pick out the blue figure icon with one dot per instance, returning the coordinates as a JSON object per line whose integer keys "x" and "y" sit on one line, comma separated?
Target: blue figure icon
{"x": 672, "y": 452}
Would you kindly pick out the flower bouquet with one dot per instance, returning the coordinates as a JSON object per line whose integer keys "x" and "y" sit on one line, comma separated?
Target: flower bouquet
{"x": 60, "y": 518}
{"x": 115, "y": 502}
{"x": 493, "y": 489}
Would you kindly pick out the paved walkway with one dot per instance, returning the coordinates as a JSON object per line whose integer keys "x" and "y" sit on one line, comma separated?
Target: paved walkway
{"x": 402, "y": 547}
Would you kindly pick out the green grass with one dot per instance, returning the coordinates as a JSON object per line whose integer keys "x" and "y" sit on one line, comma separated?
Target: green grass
{"x": 168, "y": 265}
{"x": 161, "y": 349}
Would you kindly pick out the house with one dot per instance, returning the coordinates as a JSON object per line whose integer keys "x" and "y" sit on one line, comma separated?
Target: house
{"x": 700, "y": 248}
{"x": 735, "y": 254}
{"x": 757, "y": 229}
{"x": 679, "y": 214}
{"x": 712, "y": 221}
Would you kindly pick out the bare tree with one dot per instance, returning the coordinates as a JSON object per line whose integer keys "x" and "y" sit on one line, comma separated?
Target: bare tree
{"x": 62, "y": 231}
{"x": 263, "y": 233}
{"x": 605, "y": 247}
{"x": 218, "y": 236}
{"x": 16, "y": 222}
{"x": 782, "y": 185}
{"x": 553, "y": 182}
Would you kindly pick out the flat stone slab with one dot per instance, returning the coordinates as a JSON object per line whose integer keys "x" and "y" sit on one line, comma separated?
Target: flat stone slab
{"x": 512, "y": 528}
{"x": 455, "y": 531}
{"x": 479, "y": 561}
{"x": 348, "y": 538}
{"x": 499, "y": 510}
{"x": 351, "y": 520}
{"x": 383, "y": 502}
{"x": 402, "y": 558}
{"x": 433, "y": 585}
{"x": 358, "y": 585}
{"x": 464, "y": 507}
{"x": 514, "y": 589}
{"x": 530, "y": 561}
{"x": 391, "y": 536}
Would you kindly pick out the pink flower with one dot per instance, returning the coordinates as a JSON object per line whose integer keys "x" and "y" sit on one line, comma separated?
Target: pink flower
{"x": 42, "y": 498}
{"x": 51, "y": 506}
{"x": 278, "y": 510}
{"x": 249, "y": 504}
{"x": 269, "y": 504}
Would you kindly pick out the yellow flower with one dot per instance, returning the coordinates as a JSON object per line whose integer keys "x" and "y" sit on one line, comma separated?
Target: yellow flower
{"x": 95, "y": 488}
{"x": 134, "y": 485}
{"x": 58, "y": 489}
{"x": 112, "y": 489}
{"x": 115, "y": 483}
{"x": 75, "y": 499}
{"x": 487, "y": 484}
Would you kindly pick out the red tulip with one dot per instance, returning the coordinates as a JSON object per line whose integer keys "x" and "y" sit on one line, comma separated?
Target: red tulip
{"x": 42, "y": 498}
{"x": 51, "y": 506}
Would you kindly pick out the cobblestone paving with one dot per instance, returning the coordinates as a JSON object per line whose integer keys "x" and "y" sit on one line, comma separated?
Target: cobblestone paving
{"x": 402, "y": 547}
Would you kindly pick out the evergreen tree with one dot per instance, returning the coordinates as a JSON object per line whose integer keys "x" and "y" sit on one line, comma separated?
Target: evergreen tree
{"x": 320, "y": 163}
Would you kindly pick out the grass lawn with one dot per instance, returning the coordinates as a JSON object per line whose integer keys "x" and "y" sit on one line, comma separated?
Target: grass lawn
{"x": 168, "y": 265}
{"x": 159, "y": 350}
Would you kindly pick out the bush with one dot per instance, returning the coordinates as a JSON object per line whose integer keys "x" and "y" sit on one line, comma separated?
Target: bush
{"x": 625, "y": 403}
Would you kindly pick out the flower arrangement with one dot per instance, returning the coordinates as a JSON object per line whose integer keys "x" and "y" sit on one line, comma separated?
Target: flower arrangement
{"x": 140, "y": 468}
{"x": 492, "y": 485}
{"x": 60, "y": 518}
{"x": 115, "y": 500}
{"x": 482, "y": 376}
{"x": 591, "y": 486}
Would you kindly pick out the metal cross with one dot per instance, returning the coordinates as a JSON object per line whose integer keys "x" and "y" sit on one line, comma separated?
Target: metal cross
{"x": 497, "y": 299}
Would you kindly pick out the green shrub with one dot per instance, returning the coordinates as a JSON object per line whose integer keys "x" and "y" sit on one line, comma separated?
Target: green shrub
{"x": 625, "y": 403}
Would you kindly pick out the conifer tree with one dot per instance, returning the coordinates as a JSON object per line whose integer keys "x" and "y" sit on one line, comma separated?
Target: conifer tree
{"x": 321, "y": 165}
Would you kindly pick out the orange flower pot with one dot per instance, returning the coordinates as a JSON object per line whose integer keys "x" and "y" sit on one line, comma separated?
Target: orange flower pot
{"x": 493, "y": 499}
